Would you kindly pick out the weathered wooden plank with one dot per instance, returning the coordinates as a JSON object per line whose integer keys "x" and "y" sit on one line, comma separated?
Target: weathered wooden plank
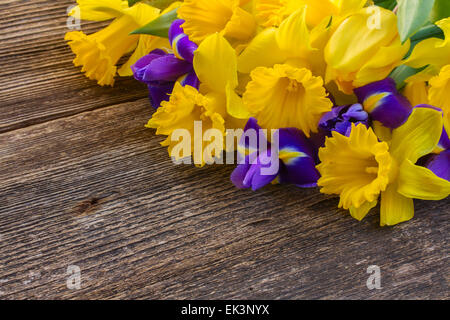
{"x": 38, "y": 81}
{"x": 97, "y": 191}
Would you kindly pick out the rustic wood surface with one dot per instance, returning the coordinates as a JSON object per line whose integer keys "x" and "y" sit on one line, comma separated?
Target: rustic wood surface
{"x": 83, "y": 183}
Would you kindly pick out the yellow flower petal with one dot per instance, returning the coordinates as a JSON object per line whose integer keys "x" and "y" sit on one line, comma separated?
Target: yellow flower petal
{"x": 215, "y": 63}
{"x": 416, "y": 92}
{"x": 378, "y": 67}
{"x": 263, "y": 51}
{"x": 206, "y": 17}
{"x": 356, "y": 167}
{"x": 271, "y": 13}
{"x": 142, "y": 13}
{"x": 235, "y": 105}
{"x": 418, "y": 136}
{"x": 433, "y": 51}
{"x": 429, "y": 52}
{"x": 439, "y": 94}
{"x": 293, "y": 35}
{"x": 98, "y": 10}
{"x": 285, "y": 96}
{"x": 383, "y": 133}
{"x": 395, "y": 208}
{"x": 363, "y": 210}
{"x": 444, "y": 24}
{"x": 421, "y": 183}
{"x": 348, "y": 6}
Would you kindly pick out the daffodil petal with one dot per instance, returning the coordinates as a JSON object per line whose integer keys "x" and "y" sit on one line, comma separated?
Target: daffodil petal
{"x": 363, "y": 210}
{"x": 429, "y": 52}
{"x": 349, "y": 6}
{"x": 421, "y": 183}
{"x": 293, "y": 34}
{"x": 235, "y": 105}
{"x": 142, "y": 13}
{"x": 418, "y": 136}
{"x": 444, "y": 24}
{"x": 395, "y": 208}
{"x": 416, "y": 92}
{"x": 98, "y": 10}
{"x": 215, "y": 63}
{"x": 263, "y": 51}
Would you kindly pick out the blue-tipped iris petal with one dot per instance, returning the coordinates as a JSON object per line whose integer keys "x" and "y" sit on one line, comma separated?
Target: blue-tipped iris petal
{"x": 440, "y": 165}
{"x": 384, "y": 103}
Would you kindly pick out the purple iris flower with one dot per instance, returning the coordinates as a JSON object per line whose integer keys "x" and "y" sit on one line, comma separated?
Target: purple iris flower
{"x": 160, "y": 70}
{"x": 295, "y": 159}
{"x": 340, "y": 119}
{"x": 440, "y": 164}
{"x": 384, "y": 103}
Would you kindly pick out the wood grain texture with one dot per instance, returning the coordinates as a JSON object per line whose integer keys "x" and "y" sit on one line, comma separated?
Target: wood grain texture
{"x": 37, "y": 78}
{"x": 82, "y": 182}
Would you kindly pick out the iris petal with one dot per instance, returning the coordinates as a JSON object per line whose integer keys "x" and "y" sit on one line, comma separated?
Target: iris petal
{"x": 440, "y": 165}
{"x": 166, "y": 68}
{"x": 382, "y": 100}
{"x": 297, "y": 158}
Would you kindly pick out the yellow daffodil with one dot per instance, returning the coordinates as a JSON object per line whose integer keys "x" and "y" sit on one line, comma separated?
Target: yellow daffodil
{"x": 271, "y": 13}
{"x": 206, "y": 17}
{"x": 286, "y": 96}
{"x": 360, "y": 52}
{"x": 99, "y": 53}
{"x": 187, "y": 105}
{"x": 283, "y": 91}
{"x": 216, "y": 104}
{"x": 359, "y": 168}
{"x": 432, "y": 52}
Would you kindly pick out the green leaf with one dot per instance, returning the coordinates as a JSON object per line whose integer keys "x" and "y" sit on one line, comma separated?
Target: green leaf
{"x": 441, "y": 10}
{"x": 429, "y": 31}
{"x": 412, "y": 15}
{"x": 387, "y": 4}
{"x": 160, "y": 26}
{"x": 401, "y": 73}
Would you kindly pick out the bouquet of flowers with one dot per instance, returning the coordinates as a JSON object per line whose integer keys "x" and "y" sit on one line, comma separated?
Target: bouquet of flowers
{"x": 352, "y": 96}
